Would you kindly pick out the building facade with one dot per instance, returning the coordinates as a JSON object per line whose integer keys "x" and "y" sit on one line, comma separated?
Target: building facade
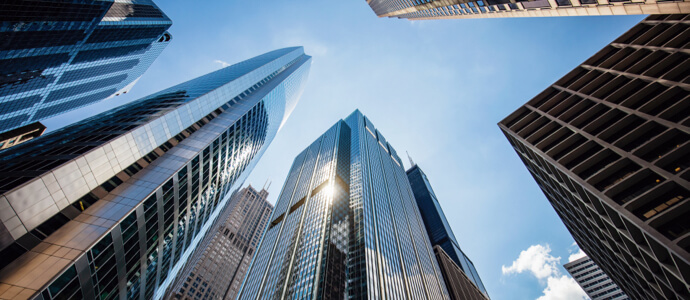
{"x": 345, "y": 226}
{"x": 219, "y": 268}
{"x": 463, "y": 9}
{"x": 460, "y": 286}
{"x": 111, "y": 206}
{"x": 20, "y": 135}
{"x": 608, "y": 144}
{"x": 593, "y": 280}
{"x": 56, "y": 57}
{"x": 438, "y": 229}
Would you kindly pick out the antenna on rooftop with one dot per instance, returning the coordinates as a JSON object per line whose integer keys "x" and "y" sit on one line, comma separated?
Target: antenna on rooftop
{"x": 268, "y": 182}
{"x": 412, "y": 164}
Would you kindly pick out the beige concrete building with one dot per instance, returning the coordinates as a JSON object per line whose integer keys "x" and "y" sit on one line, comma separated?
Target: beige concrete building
{"x": 219, "y": 265}
{"x": 464, "y": 9}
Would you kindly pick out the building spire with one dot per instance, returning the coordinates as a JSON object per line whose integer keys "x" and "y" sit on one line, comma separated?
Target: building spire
{"x": 412, "y": 164}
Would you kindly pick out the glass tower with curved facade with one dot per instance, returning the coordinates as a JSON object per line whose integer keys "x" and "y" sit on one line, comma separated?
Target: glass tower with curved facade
{"x": 57, "y": 56}
{"x": 111, "y": 207}
{"x": 346, "y": 226}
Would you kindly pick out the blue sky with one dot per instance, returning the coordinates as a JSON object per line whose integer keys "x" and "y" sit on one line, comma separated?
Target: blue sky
{"x": 434, "y": 88}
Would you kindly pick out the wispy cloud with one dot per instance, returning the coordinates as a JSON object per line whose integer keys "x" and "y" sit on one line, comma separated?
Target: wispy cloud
{"x": 222, "y": 63}
{"x": 575, "y": 255}
{"x": 538, "y": 261}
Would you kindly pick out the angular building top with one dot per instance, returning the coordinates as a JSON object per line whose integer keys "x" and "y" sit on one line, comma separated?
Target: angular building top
{"x": 436, "y": 225}
{"x": 345, "y": 226}
{"x": 462, "y": 9}
{"x": 609, "y": 144}
{"x": 157, "y": 170}
{"x": 56, "y": 57}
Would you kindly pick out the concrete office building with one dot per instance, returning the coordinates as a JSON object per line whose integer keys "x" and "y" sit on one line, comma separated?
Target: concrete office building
{"x": 218, "y": 266}
{"x": 608, "y": 144}
{"x": 593, "y": 280}
{"x": 440, "y": 233}
{"x": 345, "y": 226}
{"x": 56, "y": 56}
{"x": 111, "y": 207}
{"x": 462, "y": 9}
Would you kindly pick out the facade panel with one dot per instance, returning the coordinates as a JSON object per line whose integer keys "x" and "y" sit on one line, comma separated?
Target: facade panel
{"x": 59, "y": 56}
{"x": 608, "y": 144}
{"x": 129, "y": 193}
{"x": 460, "y": 285}
{"x": 345, "y": 226}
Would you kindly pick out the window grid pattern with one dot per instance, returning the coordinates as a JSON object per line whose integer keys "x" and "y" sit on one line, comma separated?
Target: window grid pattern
{"x": 250, "y": 119}
{"x": 593, "y": 280}
{"x": 310, "y": 249}
{"x": 608, "y": 144}
{"x": 62, "y": 56}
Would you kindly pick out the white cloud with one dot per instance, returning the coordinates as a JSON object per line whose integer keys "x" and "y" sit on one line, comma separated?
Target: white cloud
{"x": 562, "y": 288}
{"x": 222, "y": 63}
{"x": 537, "y": 259}
{"x": 577, "y": 255}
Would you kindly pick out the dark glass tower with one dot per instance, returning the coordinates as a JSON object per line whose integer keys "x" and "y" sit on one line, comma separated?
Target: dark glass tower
{"x": 218, "y": 266}
{"x": 112, "y": 206}
{"x": 56, "y": 56}
{"x": 609, "y": 145}
{"x": 345, "y": 226}
{"x": 463, "y": 9}
{"x": 437, "y": 226}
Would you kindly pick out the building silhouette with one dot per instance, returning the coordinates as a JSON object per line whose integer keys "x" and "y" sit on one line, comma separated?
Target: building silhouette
{"x": 60, "y": 56}
{"x": 112, "y": 206}
{"x": 346, "y": 225}
{"x": 608, "y": 146}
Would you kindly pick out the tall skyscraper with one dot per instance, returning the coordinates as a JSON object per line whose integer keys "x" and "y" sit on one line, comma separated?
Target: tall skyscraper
{"x": 608, "y": 145}
{"x": 593, "y": 280}
{"x": 113, "y": 205}
{"x": 461, "y": 9}
{"x": 218, "y": 266}
{"x": 345, "y": 226}
{"x": 437, "y": 227}
{"x": 56, "y": 56}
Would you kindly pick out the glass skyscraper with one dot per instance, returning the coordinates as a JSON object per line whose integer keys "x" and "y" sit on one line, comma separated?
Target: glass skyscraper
{"x": 345, "y": 226}
{"x": 56, "y": 56}
{"x": 111, "y": 207}
{"x": 463, "y": 9}
{"x": 218, "y": 266}
{"x": 436, "y": 224}
{"x": 609, "y": 145}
